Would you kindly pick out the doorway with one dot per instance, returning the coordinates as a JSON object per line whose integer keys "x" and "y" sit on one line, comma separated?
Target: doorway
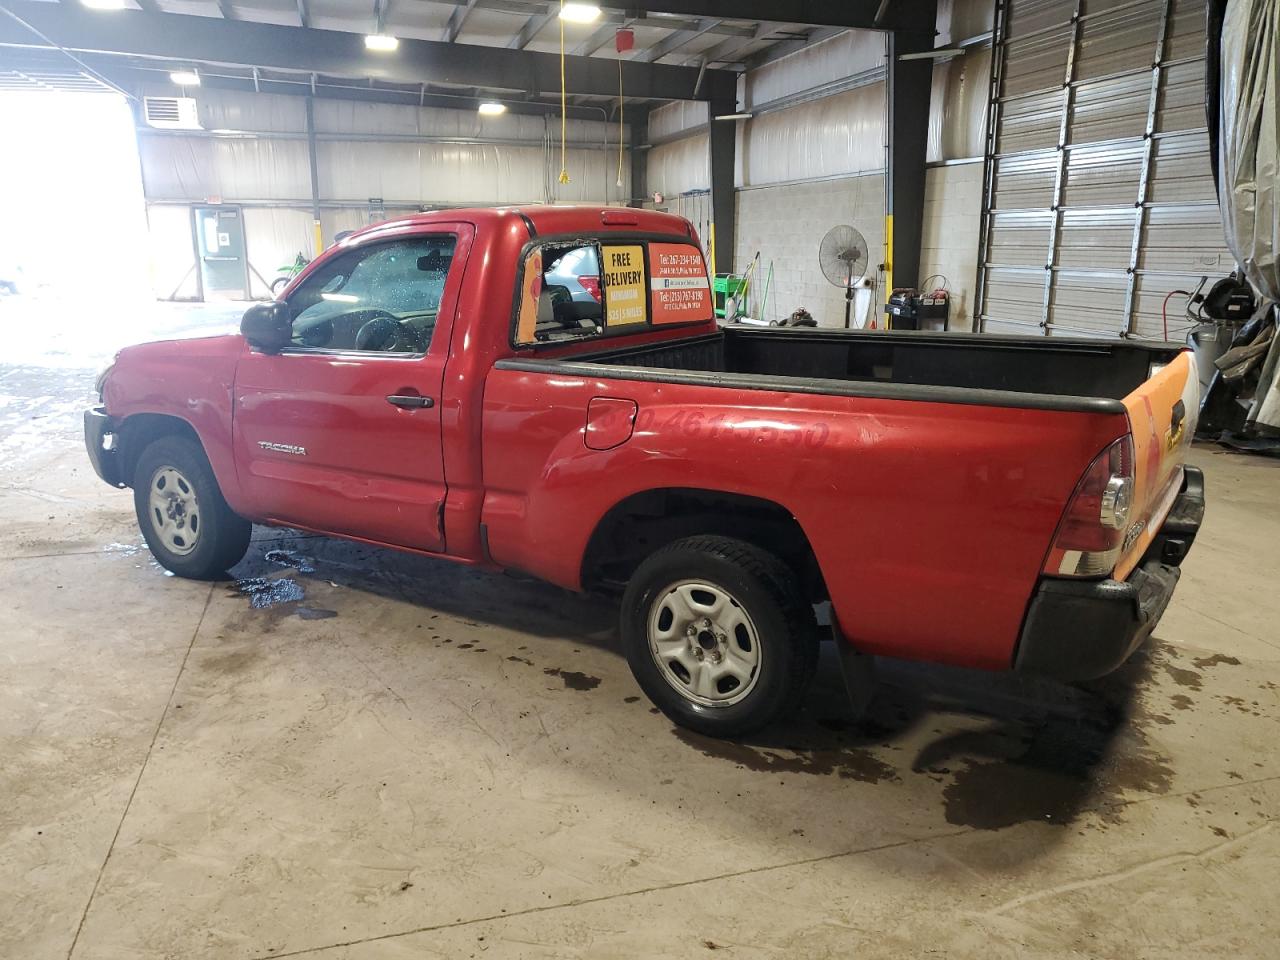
{"x": 219, "y": 242}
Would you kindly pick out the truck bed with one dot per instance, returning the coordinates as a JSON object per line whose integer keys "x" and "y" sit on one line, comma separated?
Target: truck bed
{"x": 1052, "y": 373}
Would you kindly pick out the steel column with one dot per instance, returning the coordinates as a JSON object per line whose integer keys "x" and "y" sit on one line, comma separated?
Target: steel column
{"x": 1144, "y": 177}
{"x": 723, "y": 137}
{"x": 317, "y": 232}
{"x": 908, "y": 88}
{"x": 638, "y": 118}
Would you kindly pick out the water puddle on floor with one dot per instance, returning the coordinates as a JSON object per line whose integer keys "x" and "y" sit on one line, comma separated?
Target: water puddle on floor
{"x": 264, "y": 593}
{"x": 284, "y": 594}
{"x": 286, "y": 558}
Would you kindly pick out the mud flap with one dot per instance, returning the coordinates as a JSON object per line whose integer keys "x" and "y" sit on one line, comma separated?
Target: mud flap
{"x": 859, "y": 672}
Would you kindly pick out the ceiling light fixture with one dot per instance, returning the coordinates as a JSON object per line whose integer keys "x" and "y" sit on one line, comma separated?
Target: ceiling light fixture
{"x": 104, "y": 4}
{"x": 381, "y": 42}
{"x": 580, "y": 12}
{"x": 185, "y": 78}
{"x": 492, "y": 109}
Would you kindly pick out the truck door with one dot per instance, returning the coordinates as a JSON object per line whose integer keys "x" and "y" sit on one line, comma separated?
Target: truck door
{"x": 340, "y": 431}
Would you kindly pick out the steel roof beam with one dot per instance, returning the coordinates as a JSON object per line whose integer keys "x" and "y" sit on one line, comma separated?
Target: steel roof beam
{"x": 532, "y": 27}
{"x": 599, "y": 37}
{"x": 457, "y": 20}
{"x": 848, "y": 14}
{"x": 675, "y": 40}
{"x": 169, "y": 36}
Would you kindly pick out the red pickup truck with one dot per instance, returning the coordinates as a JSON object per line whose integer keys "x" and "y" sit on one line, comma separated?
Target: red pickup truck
{"x": 546, "y": 390}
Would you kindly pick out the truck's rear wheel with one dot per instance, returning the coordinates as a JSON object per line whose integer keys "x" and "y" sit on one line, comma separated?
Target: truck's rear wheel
{"x": 719, "y": 635}
{"x": 182, "y": 514}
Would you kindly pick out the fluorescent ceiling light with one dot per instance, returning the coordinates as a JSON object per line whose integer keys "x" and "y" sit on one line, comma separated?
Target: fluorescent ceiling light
{"x": 104, "y": 4}
{"x": 491, "y": 109}
{"x": 580, "y": 12}
{"x": 733, "y": 116}
{"x": 382, "y": 42}
{"x": 185, "y": 78}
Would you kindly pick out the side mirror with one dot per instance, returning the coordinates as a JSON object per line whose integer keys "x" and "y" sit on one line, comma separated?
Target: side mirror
{"x": 268, "y": 326}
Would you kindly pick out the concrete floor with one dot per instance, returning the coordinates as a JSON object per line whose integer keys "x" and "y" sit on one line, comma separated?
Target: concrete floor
{"x": 416, "y": 760}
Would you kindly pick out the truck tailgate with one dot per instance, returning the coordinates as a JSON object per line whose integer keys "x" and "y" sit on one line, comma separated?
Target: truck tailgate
{"x": 1162, "y": 415}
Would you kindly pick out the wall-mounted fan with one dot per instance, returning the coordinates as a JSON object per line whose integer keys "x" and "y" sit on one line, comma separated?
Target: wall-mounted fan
{"x": 843, "y": 257}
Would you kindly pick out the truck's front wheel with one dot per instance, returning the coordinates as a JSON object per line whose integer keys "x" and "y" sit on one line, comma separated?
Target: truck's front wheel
{"x": 719, "y": 635}
{"x": 182, "y": 514}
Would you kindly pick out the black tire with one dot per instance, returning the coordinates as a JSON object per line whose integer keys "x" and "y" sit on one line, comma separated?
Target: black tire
{"x": 760, "y": 585}
{"x": 220, "y": 536}
{"x": 278, "y": 285}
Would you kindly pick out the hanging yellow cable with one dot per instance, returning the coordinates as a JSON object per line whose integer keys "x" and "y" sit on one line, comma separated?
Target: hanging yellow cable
{"x": 564, "y": 105}
{"x": 620, "y": 119}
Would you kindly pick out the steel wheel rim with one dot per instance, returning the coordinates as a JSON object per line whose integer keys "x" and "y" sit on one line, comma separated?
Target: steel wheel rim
{"x": 704, "y": 643}
{"x": 174, "y": 510}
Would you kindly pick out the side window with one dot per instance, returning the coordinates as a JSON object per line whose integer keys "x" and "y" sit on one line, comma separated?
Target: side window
{"x": 586, "y": 288}
{"x": 561, "y": 296}
{"x": 380, "y": 299}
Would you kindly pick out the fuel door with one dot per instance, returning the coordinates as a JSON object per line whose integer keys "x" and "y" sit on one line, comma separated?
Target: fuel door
{"x": 610, "y": 421}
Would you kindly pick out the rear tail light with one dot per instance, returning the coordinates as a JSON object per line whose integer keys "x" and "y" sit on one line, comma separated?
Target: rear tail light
{"x": 1090, "y": 537}
{"x": 591, "y": 285}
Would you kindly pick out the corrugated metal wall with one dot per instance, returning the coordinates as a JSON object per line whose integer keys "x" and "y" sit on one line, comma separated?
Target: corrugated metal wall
{"x": 253, "y": 153}
{"x": 1099, "y": 197}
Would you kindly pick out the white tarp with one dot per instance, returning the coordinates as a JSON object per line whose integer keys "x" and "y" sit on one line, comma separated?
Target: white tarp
{"x": 1249, "y": 138}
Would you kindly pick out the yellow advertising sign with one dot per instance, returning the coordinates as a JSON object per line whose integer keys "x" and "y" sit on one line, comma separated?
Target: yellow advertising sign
{"x": 626, "y": 292}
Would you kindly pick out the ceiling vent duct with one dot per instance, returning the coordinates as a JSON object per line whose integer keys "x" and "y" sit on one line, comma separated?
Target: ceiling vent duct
{"x": 171, "y": 113}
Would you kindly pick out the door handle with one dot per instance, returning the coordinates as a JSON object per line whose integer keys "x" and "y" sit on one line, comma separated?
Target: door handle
{"x": 410, "y": 402}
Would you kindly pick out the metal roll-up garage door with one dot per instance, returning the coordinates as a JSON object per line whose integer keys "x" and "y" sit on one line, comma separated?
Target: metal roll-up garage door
{"x": 1099, "y": 197}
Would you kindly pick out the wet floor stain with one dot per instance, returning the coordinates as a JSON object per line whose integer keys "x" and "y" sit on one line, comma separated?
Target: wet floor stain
{"x": 846, "y": 762}
{"x": 286, "y": 558}
{"x": 1182, "y": 677}
{"x": 235, "y": 661}
{"x": 1048, "y": 771}
{"x": 573, "y": 680}
{"x": 1213, "y": 661}
{"x": 315, "y": 613}
{"x": 526, "y": 662}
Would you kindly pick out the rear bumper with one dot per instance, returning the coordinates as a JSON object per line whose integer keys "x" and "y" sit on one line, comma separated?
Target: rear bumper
{"x": 1082, "y": 629}
{"x": 101, "y": 442}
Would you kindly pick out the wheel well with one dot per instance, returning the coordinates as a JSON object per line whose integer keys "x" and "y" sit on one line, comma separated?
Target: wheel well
{"x": 142, "y": 429}
{"x": 645, "y": 522}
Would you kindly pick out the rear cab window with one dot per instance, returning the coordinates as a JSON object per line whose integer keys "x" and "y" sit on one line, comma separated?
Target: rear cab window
{"x": 595, "y": 287}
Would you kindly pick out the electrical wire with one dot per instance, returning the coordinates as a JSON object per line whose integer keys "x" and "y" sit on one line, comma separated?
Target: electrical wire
{"x": 1164, "y": 308}
{"x": 620, "y": 119}
{"x": 564, "y": 106}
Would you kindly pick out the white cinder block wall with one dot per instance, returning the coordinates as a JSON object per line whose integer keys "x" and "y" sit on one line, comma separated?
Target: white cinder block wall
{"x": 786, "y": 223}
{"x": 949, "y": 241}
